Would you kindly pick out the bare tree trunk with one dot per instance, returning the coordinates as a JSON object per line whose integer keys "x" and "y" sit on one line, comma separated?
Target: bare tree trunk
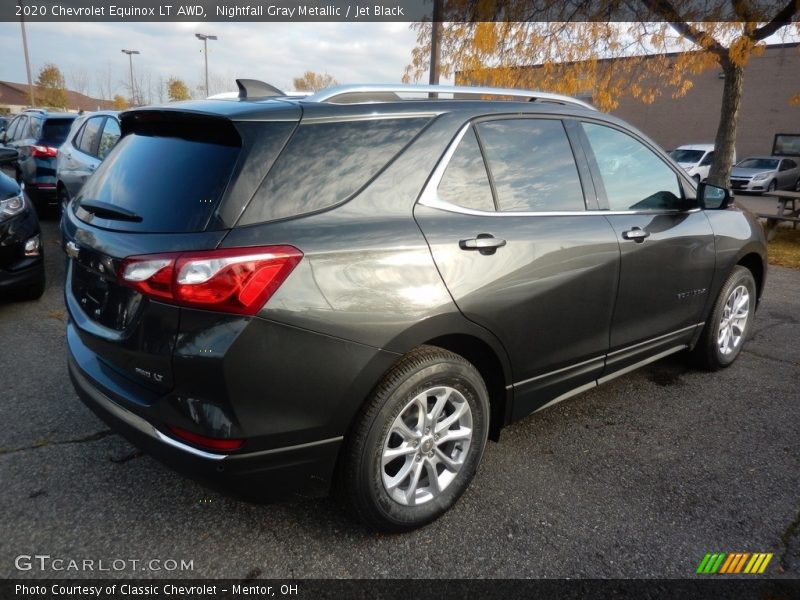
{"x": 729, "y": 119}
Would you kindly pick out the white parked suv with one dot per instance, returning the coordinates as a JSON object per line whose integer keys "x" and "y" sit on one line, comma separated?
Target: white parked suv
{"x": 696, "y": 159}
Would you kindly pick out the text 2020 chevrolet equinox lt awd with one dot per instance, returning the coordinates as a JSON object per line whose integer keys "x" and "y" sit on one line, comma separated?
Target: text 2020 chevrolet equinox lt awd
{"x": 354, "y": 290}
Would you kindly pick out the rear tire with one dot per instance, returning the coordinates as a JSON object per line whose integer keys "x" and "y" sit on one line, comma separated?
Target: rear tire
{"x": 417, "y": 443}
{"x": 729, "y": 324}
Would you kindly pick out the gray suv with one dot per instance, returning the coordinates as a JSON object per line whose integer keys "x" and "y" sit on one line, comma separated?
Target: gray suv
{"x": 355, "y": 290}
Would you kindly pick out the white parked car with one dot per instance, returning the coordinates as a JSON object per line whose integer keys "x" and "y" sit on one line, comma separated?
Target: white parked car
{"x": 696, "y": 159}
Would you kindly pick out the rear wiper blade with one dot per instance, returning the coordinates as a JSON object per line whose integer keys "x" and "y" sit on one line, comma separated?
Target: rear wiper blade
{"x": 105, "y": 210}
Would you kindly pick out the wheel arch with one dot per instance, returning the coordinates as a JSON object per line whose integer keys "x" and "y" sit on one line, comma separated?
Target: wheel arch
{"x": 755, "y": 264}
{"x": 489, "y": 365}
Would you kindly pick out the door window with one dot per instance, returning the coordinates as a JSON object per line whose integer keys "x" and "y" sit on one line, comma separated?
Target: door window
{"x": 465, "y": 181}
{"x": 532, "y": 165}
{"x": 90, "y": 136}
{"x": 12, "y": 129}
{"x": 707, "y": 160}
{"x": 634, "y": 177}
{"x": 108, "y": 138}
{"x": 22, "y": 125}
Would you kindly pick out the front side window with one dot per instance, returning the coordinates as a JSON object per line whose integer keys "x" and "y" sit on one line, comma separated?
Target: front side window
{"x": 634, "y": 177}
{"x": 465, "y": 182}
{"x": 532, "y": 165}
{"x": 12, "y": 129}
{"x": 707, "y": 160}
{"x": 17, "y": 133}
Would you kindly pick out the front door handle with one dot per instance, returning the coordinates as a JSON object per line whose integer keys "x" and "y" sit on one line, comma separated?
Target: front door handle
{"x": 485, "y": 243}
{"x": 636, "y": 234}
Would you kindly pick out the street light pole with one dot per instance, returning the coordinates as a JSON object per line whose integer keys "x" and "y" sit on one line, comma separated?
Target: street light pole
{"x": 130, "y": 54}
{"x": 205, "y": 38}
{"x": 25, "y": 50}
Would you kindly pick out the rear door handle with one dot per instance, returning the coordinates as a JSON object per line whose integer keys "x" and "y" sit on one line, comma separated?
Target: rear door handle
{"x": 636, "y": 234}
{"x": 484, "y": 243}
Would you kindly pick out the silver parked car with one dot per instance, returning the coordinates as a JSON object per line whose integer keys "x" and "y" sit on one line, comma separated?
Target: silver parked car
{"x": 766, "y": 174}
{"x": 91, "y": 138}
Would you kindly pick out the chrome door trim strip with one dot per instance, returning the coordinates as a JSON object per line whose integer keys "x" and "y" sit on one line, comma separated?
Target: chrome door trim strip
{"x": 574, "y": 392}
{"x": 641, "y": 363}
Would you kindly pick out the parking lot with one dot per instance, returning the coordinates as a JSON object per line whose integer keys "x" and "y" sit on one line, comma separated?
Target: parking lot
{"x": 639, "y": 478}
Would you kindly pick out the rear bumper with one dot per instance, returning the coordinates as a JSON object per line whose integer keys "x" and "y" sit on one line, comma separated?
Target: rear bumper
{"x": 304, "y": 469}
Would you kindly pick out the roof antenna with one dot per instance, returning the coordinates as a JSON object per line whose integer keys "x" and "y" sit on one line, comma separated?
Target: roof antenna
{"x": 253, "y": 88}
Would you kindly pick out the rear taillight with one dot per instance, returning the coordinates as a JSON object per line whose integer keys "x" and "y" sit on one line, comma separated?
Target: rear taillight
{"x": 226, "y": 444}
{"x": 236, "y": 280}
{"x": 43, "y": 151}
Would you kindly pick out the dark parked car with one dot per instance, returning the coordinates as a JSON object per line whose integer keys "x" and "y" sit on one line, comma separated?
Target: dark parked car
{"x": 276, "y": 295}
{"x": 90, "y": 139}
{"x": 21, "y": 254}
{"x": 37, "y": 134}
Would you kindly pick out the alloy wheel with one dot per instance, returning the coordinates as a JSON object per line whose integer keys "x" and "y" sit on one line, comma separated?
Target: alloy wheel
{"x": 426, "y": 446}
{"x": 733, "y": 323}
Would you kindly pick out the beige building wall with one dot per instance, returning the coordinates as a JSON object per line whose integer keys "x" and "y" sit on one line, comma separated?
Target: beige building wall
{"x": 770, "y": 80}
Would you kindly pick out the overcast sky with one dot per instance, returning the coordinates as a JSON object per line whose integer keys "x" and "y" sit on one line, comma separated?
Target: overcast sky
{"x": 273, "y": 52}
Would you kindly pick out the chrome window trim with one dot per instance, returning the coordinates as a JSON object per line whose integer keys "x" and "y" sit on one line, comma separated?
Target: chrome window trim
{"x": 430, "y": 197}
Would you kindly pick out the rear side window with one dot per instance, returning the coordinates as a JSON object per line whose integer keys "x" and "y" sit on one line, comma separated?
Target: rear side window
{"x": 326, "y": 163}
{"x": 56, "y": 130}
{"x": 172, "y": 183}
{"x": 532, "y": 165}
{"x": 465, "y": 182}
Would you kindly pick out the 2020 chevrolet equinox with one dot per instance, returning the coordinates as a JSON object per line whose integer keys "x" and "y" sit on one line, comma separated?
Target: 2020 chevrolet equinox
{"x": 356, "y": 289}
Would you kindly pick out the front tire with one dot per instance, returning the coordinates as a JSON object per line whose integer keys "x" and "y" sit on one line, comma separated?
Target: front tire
{"x": 773, "y": 185}
{"x": 729, "y": 324}
{"x": 417, "y": 444}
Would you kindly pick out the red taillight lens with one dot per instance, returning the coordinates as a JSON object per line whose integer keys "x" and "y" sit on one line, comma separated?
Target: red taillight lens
{"x": 43, "y": 151}
{"x": 226, "y": 444}
{"x": 237, "y": 280}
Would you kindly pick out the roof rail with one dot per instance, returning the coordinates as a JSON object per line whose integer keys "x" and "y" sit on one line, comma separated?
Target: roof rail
{"x": 383, "y": 92}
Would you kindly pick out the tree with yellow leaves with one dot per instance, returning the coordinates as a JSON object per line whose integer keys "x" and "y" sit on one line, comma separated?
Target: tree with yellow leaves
{"x": 563, "y": 47}
{"x": 177, "y": 90}
{"x": 51, "y": 90}
{"x": 313, "y": 82}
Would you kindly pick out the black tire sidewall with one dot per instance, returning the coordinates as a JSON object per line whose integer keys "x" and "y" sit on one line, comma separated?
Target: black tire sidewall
{"x": 468, "y": 382}
{"x": 740, "y": 276}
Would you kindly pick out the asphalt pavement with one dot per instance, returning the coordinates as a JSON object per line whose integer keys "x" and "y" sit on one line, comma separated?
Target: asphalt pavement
{"x": 639, "y": 478}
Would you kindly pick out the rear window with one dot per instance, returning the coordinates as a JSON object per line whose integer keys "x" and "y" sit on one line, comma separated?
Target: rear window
{"x": 56, "y": 130}
{"x": 172, "y": 184}
{"x": 324, "y": 164}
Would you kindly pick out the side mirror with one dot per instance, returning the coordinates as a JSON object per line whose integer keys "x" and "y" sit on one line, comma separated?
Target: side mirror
{"x": 713, "y": 197}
